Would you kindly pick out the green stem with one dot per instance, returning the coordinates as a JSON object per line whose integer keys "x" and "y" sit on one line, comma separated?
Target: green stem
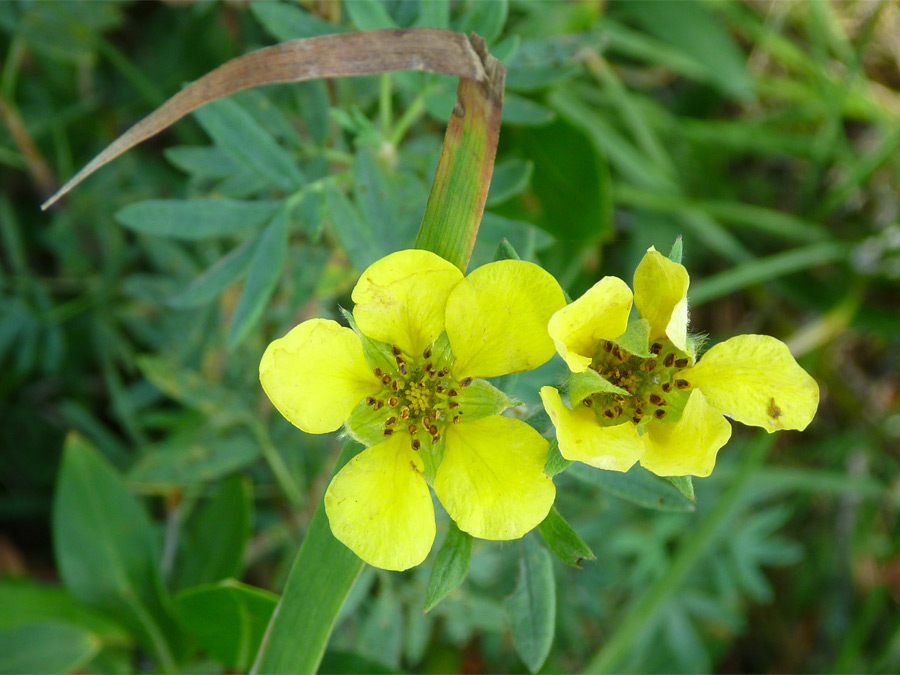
{"x": 643, "y": 612}
{"x": 409, "y": 117}
{"x": 276, "y": 463}
{"x": 384, "y": 105}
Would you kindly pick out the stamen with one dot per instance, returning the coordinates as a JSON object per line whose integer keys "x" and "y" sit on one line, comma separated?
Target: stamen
{"x": 395, "y": 385}
{"x": 427, "y": 353}
{"x": 402, "y": 369}
{"x": 388, "y": 432}
{"x": 667, "y": 387}
{"x": 390, "y": 421}
{"x": 656, "y": 399}
{"x": 636, "y": 419}
{"x": 379, "y": 405}
{"x": 416, "y": 444}
{"x": 659, "y": 413}
{"x": 465, "y": 382}
{"x": 370, "y": 400}
{"x": 681, "y": 363}
{"x": 392, "y": 401}
{"x": 650, "y": 365}
{"x": 377, "y": 372}
{"x": 412, "y": 429}
{"x": 404, "y": 414}
{"x": 639, "y": 412}
{"x": 453, "y": 392}
{"x": 670, "y": 359}
{"x": 588, "y": 402}
{"x": 433, "y": 430}
{"x": 608, "y": 414}
{"x": 618, "y": 410}
{"x": 444, "y": 371}
{"x": 655, "y": 348}
{"x": 435, "y": 438}
{"x": 426, "y": 421}
{"x": 386, "y": 379}
{"x": 456, "y": 419}
{"x": 395, "y": 350}
{"x": 440, "y": 389}
{"x": 607, "y": 346}
{"x": 682, "y": 384}
{"x": 452, "y": 405}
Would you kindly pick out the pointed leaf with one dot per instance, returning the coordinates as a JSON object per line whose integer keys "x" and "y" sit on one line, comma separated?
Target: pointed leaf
{"x": 194, "y": 218}
{"x": 46, "y": 648}
{"x": 684, "y": 484}
{"x": 582, "y": 385}
{"x": 637, "y": 485}
{"x": 450, "y": 566}
{"x": 531, "y": 609}
{"x": 563, "y": 540}
{"x": 555, "y": 463}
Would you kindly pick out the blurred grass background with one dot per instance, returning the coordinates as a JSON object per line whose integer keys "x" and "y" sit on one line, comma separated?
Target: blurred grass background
{"x": 764, "y": 133}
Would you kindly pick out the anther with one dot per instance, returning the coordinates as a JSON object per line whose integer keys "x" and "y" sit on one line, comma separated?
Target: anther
{"x": 402, "y": 369}
{"x": 420, "y": 385}
{"x": 427, "y": 353}
{"x": 639, "y": 412}
{"x": 426, "y": 421}
{"x": 377, "y": 372}
{"x": 453, "y": 392}
{"x": 433, "y": 430}
{"x": 681, "y": 363}
{"x": 607, "y": 346}
{"x": 659, "y": 414}
{"x": 457, "y": 419}
{"x": 370, "y": 400}
{"x": 636, "y": 419}
{"x": 618, "y": 410}
{"x": 386, "y": 379}
{"x": 667, "y": 387}
{"x": 390, "y": 421}
{"x": 444, "y": 371}
{"x": 452, "y": 405}
{"x": 670, "y": 359}
{"x": 440, "y": 389}
{"x": 655, "y": 348}
{"x": 588, "y": 402}
{"x": 416, "y": 444}
{"x": 404, "y": 414}
{"x": 379, "y": 405}
{"x": 435, "y": 438}
{"x": 388, "y": 432}
{"x": 465, "y": 382}
{"x": 395, "y": 385}
{"x": 682, "y": 384}
{"x": 395, "y": 350}
{"x": 650, "y": 365}
{"x": 392, "y": 401}
{"x": 434, "y": 414}
{"x": 608, "y": 414}
{"x": 412, "y": 429}
{"x": 656, "y": 399}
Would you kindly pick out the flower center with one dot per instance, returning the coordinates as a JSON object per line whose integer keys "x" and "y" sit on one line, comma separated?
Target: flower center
{"x": 420, "y": 394}
{"x": 654, "y": 386}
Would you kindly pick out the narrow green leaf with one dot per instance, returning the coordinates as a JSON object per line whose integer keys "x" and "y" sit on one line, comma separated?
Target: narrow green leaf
{"x": 684, "y": 484}
{"x": 265, "y": 270}
{"x": 234, "y": 130}
{"x": 228, "y": 619}
{"x": 582, "y": 385}
{"x": 195, "y": 218}
{"x": 369, "y": 14}
{"x": 505, "y": 251}
{"x": 510, "y": 178}
{"x": 381, "y": 634}
{"x": 336, "y": 661}
{"x": 434, "y": 14}
{"x": 555, "y": 463}
{"x": 357, "y": 240}
{"x": 202, "y": 162}
{"x": 451, "y": 565}
{"x": 209, "y": 285}
{"x": 45, "y": 648}
{"x": 322, "y": 575}
{"x": 483, "y": 18}
{"x": 25, "y": 602}
{"x": 285, "y": 21}
{"x": 563, "y": 540}
{"x": 182, "y": 463}
{"x": 193, "y": 389}
{"x": 677, "y": 251}
{"x": 214, "y": 538}
{"x": 638, "y": 486}
{"x": 531, "y": 609}
{"x": 524, "y": 112}
{"x": 99, "y": 526}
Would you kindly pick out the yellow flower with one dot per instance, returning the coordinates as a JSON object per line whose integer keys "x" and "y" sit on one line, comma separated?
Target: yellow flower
{"x": 637, "y": 391}
{"x": 404, "y": 383}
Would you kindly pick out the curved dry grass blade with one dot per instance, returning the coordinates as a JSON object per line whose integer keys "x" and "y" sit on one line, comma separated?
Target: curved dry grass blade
{"x": 342, "y": 55}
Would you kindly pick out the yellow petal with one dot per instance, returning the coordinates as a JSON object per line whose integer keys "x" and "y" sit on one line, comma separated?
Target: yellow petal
{"x": 755, "y": 380}
{"x": 582, "y": 439}
{"x": 600, "y": 314}
{"x": 689, "y": 446}
{"x": 660, "y": 295}
{"x": 497, "y": 319}
{"x": 316, "y": 374}
{"x": 379, "y": 506}
{"x": 401, "y": 299}
{"x": 491, "y": 480}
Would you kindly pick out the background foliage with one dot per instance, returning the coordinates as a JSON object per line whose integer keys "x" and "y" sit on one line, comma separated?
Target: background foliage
{"x": 152, "y": 501}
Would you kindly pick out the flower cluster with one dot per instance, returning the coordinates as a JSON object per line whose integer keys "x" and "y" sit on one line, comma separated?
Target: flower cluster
{"x": 404, "y": 380}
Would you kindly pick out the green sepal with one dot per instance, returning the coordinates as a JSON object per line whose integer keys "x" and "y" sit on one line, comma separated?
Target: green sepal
{"x": 450, "y": 566}
{"x": 432, "y": 455}
{"x": 555, "y": 463}
{"x": 676, "y": 252}
{"x": 636, "y": 339}
{"x": 481, "y": 399}
{"x": 441, "y": 354}
{"x": 684, "y": 484}
{"x": 582, "y": 385}
{"x": 563, "y": 540}
{"x": 505, "y": 251}
{"x": 377, "y": 354}
{"x": 366, "y": 425}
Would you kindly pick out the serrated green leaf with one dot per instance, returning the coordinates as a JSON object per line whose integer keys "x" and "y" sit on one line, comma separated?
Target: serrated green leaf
{"x": 214, "y": 538}
{"x": 195, "y": 218}
{"x": 555, "y": 463}
{"x": 217, "y": 277}
{"x": 451, "y": 565}
{"x": 99, "y": 525}
{"x": 234, "y": 130}
{"x": 510, "y": 178}
{"x": 262, "y": 277}
{"x": 531, "y": 609}
{"x": 46, "y": 648}
{"x": 228, "y": 619}
{"x": 563, "y": 540}
{"x": 638, "y": 486}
